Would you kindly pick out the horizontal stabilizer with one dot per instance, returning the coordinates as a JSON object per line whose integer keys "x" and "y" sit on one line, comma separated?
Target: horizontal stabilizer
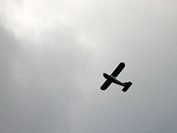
{"x": 127, "y": 87}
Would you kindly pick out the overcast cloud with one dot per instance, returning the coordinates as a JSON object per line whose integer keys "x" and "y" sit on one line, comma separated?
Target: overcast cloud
{"x": 53, "y": 55}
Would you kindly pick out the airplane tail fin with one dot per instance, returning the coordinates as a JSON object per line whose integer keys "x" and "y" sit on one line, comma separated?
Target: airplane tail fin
{"x": 127, "y": 87}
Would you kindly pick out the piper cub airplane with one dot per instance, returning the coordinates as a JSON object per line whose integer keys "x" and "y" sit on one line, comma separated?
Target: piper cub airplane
{"x": 112, "y": 78}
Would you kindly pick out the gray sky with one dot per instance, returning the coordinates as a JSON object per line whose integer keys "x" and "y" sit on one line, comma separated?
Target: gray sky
{"x": 53, "y": 55}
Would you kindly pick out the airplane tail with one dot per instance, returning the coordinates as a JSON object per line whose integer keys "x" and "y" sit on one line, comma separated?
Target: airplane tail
{"x": 127, "y": 87}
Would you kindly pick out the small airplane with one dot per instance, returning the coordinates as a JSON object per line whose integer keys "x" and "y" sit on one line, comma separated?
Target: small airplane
{"x": 112, "y": 78}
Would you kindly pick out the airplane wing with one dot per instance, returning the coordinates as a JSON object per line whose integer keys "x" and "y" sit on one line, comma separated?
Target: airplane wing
{"x": 106, "y": 84}
{"x": 119, "y": 68}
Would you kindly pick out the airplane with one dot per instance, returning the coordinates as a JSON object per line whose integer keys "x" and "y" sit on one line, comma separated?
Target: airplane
{"x": 112, "y": 78}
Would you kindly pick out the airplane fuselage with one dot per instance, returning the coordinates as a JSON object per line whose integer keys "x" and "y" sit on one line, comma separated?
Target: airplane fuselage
{"x": 113, "y": 79}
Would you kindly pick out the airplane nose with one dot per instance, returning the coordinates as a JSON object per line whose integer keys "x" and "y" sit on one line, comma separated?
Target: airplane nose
{"x": 105, "y": 75}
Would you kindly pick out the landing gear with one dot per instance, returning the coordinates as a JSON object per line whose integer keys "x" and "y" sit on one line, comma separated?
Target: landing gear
{"x": 126, "y": 86}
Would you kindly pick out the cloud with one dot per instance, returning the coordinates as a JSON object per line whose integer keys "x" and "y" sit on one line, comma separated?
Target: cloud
{"x": 38, "y": 87}
{"x": 52, "y": 62}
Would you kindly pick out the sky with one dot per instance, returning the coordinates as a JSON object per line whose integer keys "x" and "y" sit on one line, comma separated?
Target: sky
{"x": 53, "y": 55}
